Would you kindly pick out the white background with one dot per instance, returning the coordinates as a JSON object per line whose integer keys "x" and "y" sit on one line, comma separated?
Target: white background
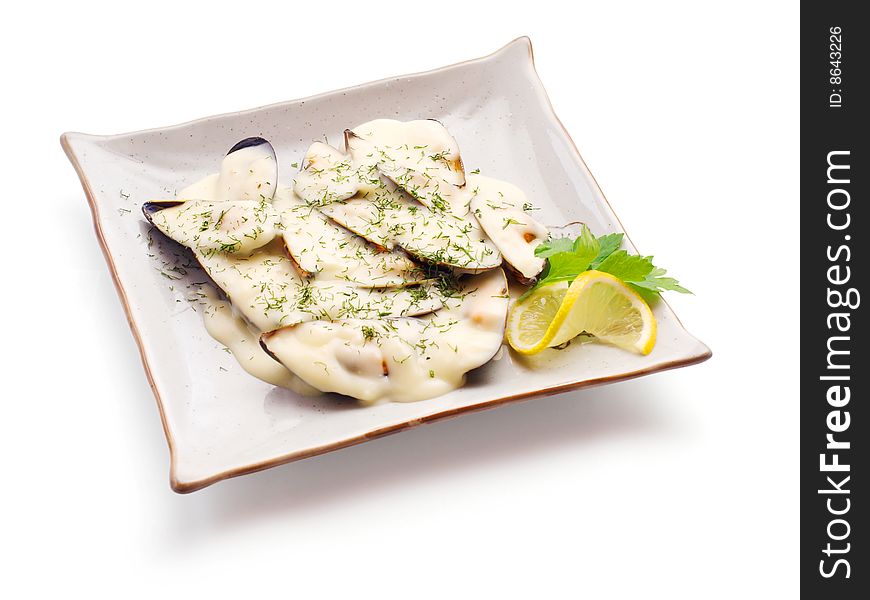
{"x": 679, "y": 485}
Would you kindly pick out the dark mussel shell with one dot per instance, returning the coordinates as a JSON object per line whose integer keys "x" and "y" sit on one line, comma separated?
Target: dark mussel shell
{"x": 252, "y": 142}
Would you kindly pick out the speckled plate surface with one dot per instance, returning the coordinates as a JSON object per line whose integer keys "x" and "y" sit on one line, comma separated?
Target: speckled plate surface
{"x": 221, "y": 422}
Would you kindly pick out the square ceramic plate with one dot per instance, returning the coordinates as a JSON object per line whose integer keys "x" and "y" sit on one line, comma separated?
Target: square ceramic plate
{"x": 221, "y": 422}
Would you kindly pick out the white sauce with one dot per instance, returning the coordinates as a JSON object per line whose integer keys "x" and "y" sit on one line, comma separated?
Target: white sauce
{"x": 234, "y": 332}
{"x": 322, "y": 248}
{"x": 445, "y": 233}
{"x": 204, "y": 189}
{"x": 206, "y": 226}
{"x": 325, "y": 274}
{"x": 327, "y": 176}
{"x": 399, "y": 360}
{"x": 420, "y": 156}
{"x": 268, "y": 290}
{"x": 247, "y": 174}
{"x": 500, "y": 209}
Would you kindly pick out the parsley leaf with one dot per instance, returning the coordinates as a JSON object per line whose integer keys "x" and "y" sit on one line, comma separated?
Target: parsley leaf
{"x": 607, "y": 245}
{"x": 565, "y": 266}
{"x": 554, "y": 246}
{"x": 656, "y": 282}
{"x": 567, "y": 258}
{"x": 627, "y": 267}
{"x": 586, "y": 243}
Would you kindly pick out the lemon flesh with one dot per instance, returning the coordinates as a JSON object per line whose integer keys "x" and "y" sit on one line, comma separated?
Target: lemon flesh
{"x": 596, "y": 303}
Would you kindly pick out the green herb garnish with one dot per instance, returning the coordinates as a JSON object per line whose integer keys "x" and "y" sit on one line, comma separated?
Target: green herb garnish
{"x": 567, "y": 258}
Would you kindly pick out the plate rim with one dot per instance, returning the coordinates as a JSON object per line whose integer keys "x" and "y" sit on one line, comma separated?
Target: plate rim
{"x": 187, "y": 486}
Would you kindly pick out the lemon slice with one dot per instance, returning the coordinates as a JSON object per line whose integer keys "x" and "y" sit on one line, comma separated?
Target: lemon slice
{"x": 595, "y": 303}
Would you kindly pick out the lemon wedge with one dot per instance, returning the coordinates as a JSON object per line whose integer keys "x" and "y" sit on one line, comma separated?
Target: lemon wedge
{"x": 595, "y": 303}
